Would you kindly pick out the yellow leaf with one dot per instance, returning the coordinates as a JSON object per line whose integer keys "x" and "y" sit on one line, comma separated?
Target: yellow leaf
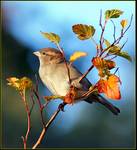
{"x": 20, "y": 84}
{"x": 14, "y": 82}
{"x": 83, "y": 32}
{"x": 77, "y": 55}
{"x": 25, "y": 83}
{"x": 107, "y": 43}
{"x": 51, "y": 37}
{"x": 123, "y": 23}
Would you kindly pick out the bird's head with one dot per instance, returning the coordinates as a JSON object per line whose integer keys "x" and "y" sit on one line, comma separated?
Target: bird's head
{"x": 49, "y": 56}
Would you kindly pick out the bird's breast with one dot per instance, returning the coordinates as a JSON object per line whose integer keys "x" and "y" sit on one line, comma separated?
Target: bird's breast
{"x": 55, "y": 81}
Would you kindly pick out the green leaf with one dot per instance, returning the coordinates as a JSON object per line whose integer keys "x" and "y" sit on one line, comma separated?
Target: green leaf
{"x": 107, "y": 43}
{"x": 51, "y": 37}
{"x": 83, "y": 32}
{"x": 125, "y": 55}
{"x": 114, "y": 49}
{"x": 113, "y": 13}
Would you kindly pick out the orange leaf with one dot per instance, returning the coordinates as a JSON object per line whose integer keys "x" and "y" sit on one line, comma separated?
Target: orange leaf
{"x": 70, "y": 96}
{"x": 101, "y": 63}
{"x": 110, "y": 64}
{"x": 98, "y": 62}
{"x": 110, "y": 87}
{"x": 123, "y": 23}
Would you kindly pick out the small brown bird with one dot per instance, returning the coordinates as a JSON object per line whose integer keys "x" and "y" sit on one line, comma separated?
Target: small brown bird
{"x": 53, "y": 73}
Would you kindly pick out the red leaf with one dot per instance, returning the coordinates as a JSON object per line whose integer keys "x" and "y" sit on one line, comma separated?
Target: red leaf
{"x": 101, "y": 63}
{"x": 98, "y": 62}
{"x": 110, "y": 87}
{"x": 70, "y": 96}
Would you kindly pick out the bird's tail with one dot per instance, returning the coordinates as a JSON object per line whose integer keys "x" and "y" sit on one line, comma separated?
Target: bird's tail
{"x": 100, "y": 99}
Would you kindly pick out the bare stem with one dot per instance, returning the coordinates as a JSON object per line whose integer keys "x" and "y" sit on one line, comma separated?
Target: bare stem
{"x": 85, "y": 74}
{"x": 116, "y": 70}
{"x": 94, "y": 41}
{"x": 124, "y": 44}
{"x": 114, "y": 33}
{"x": 48, "y": 124}
{"x": 123, "y": 32}
{"x": 100, "y": 20}
{"x": 101, "y": 37}
{"x": 33, "y": 102}
{"x": 40, "y": 106}
{"x": 67, "y": 67}
{"x": 119, "y": 38}
{"x": 22, "y": 93}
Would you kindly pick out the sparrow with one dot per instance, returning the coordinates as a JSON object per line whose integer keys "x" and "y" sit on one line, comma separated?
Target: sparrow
{"x": 53, "y": 73}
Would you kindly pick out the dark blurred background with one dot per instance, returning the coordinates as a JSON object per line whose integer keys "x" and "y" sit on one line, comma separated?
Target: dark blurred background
{"x": 81, "y": 125}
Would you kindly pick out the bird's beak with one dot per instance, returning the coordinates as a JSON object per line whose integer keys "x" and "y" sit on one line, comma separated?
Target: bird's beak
{"x": 37, "y": 53}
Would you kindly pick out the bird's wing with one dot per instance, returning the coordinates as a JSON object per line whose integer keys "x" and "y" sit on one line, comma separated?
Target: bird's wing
{"x": 85, "y": 84}
{"x": 75, "y": 75}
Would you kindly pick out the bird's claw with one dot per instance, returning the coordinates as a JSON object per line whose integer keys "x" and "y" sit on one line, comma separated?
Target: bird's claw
{"x": 61, "y": 106}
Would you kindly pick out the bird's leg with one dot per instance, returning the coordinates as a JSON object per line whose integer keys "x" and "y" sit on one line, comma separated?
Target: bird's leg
{"x": 61, "y": 106}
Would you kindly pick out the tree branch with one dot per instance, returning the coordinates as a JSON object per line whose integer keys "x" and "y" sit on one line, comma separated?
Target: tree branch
{"x": 60, "y": 108}
{"x": 67, "y": 67}
{"x": 22, "y": 93}
{"x": 101, "y": 37}
{"x": 114, "y": 33}
{"x": 100, "y": 20}
{"x": 36, "y": 92}
{"x": 85, "y": 74}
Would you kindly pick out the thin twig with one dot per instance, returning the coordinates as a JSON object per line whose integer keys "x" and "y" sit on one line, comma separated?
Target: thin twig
{"x": 123, "y": 32}
{"x": 123, "y": 44}
{"x": 116, "y": 70}
{"x": 114, "y": 33}
{"x": 48, "y": 124}
{"x": 22, "y": 93}
{"x": 113, "y": 57}
{"x": 89, "y": 92}
{"x": 129, "y": 24}
{"x": 33, "y": 102}
{"x": 85, "y": 74}
{"x": 119, "y": 38}
{"x": 97, "y": 47}
{"x": 40, "y": 106}
{"x": 107, "y": 54}
{"x": 100, "y": 20}
{"x": 94, "y": 41}
{"x": 36, "y": 92}
{"x": 101, "y": 37}
{"x": 67, "y": 67}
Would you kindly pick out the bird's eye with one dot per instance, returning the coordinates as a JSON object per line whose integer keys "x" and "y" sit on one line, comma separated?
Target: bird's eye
{"x": 44, "y": 53}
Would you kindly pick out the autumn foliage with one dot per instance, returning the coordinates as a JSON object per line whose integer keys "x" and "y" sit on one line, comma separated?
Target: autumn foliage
{"x": 104, "y": 61}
